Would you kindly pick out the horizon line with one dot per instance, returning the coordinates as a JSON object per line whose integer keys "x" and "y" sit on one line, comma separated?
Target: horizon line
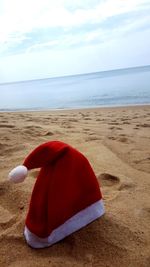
{"x": 72, "y": 75}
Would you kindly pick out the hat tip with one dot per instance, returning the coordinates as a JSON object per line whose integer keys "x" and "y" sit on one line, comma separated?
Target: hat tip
{"x": 18, "y": 174}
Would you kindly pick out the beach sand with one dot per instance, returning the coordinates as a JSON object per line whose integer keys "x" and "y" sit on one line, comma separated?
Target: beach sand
{"x": 117, "y": 143}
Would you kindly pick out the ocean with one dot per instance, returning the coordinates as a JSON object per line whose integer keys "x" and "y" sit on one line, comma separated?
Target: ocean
{"x": 130, "y": 86}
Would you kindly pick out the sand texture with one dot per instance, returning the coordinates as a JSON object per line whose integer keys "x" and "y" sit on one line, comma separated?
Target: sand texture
{"x": 117, "y": 143}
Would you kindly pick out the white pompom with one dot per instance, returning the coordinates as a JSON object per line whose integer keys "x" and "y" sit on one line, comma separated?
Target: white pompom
{"x": 18, "y": 174}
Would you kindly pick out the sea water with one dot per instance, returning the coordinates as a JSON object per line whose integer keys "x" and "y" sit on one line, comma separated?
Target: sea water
{"x": 130, "y": 86}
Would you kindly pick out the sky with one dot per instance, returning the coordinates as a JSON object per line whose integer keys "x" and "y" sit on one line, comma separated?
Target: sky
{"x": 47, "y": 38}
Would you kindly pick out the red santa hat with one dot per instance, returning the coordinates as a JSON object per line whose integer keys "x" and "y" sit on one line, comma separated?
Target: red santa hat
{"x": 66, "y": 195}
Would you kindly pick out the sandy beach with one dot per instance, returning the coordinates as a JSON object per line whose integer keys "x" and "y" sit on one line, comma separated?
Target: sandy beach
{"x": 117, "y": 143}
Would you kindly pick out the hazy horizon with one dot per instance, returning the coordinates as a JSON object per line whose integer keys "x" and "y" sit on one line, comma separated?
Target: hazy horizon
{"x": 77, "y": 74}
{"x": 109, "y": 88}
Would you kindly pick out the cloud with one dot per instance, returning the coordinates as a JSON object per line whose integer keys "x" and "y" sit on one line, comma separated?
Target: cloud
{"x": 110, "y": 29}
{"x": 20, "y": 18}
{"x": 61, "y": 29}
{"x": 39, "y": 47}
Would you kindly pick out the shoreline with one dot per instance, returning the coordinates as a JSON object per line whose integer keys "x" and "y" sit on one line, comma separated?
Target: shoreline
{"x": 144, "y": 67}
{"x": 75, "y": 109}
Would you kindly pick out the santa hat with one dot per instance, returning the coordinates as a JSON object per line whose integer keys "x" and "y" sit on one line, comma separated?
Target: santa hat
{"x": 66, "y": 195}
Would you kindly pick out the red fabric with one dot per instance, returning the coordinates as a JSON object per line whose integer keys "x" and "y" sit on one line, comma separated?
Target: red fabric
{"x": 44, "y": 154}
{"x": 65, "y": 185}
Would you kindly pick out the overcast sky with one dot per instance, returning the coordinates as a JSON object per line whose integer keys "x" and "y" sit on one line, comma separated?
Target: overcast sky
{"x": 46, "y": 38}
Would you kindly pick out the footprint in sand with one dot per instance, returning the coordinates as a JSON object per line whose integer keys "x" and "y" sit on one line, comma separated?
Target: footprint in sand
{"x": 112, "y": 185}
{"x": 13, "y": 202}
{"x": 92, "y": 138}
{"x": 7, "y": 126}
{"x": 144, "y": 213}
{"x": 32, "y": 130}
{"x": 8, "y": 150}
{"x": 6, "y": 219}
{"x": 49, "y": 133}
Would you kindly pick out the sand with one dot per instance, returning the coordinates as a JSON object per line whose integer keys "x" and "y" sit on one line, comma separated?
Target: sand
{"x": 117, "y": 143}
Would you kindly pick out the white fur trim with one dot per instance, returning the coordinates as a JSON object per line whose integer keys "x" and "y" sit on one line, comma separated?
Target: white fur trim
{"x": 75, "y": 223}
{"x": 18, "y": 174}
